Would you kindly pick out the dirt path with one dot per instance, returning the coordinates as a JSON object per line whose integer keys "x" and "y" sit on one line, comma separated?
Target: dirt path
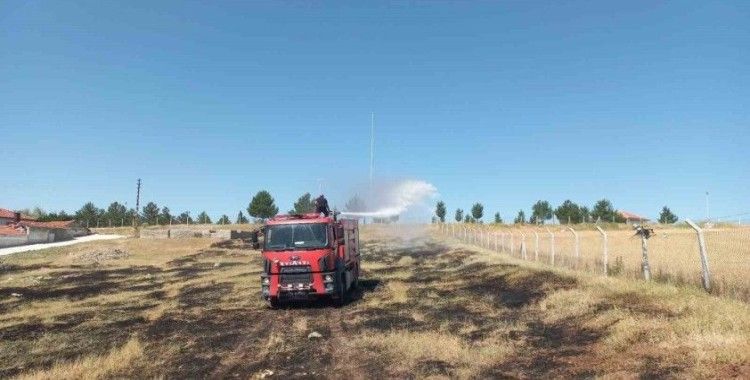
{"x": 36, "y": 247}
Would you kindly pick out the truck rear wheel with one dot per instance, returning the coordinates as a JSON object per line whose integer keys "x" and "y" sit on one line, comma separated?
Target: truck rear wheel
{"x": 342, "y": 291}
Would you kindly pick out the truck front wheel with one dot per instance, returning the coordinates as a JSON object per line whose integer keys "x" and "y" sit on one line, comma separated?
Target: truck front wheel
{"x": 274, "y": 303}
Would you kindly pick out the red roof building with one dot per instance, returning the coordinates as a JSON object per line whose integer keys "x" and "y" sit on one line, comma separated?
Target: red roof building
{"x": 632, "y": 218}
{"x": 8, "y": 216}
{"x": 12, "y": 231}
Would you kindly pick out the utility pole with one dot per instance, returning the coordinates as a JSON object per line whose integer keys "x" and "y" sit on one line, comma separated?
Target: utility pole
{"x": 707, "y": 214}
{"x": 372, "y": 147}
{"x": 136, "y": 219}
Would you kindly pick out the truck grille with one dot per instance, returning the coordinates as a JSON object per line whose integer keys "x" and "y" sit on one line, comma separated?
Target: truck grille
{"x": 296, "y": 275}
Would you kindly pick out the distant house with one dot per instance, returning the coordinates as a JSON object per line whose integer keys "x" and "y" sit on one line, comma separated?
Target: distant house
{"x": 20, "y": 230}
{"x": 631, "y": 218}
{"x": 8, "y": 216}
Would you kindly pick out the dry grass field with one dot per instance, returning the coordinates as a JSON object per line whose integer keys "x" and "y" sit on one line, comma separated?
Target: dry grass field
{"x": 427, "y": 308}
{"x": 673, "y": 254}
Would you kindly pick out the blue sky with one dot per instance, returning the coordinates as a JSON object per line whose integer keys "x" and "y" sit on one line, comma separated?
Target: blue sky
{"x": 642, "y": 102}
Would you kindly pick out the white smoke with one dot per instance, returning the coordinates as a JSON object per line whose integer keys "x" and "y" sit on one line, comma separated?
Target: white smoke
{"x": 396, "y": 198}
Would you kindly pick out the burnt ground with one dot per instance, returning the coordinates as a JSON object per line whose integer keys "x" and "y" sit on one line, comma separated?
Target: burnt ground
{"x": 200, "y": 319}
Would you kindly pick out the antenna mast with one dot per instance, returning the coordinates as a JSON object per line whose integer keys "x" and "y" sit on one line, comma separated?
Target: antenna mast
{"x": 372, "y": 147}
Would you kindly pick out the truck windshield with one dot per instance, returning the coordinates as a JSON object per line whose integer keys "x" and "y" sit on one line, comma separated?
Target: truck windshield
{"x": 296, "y": 236}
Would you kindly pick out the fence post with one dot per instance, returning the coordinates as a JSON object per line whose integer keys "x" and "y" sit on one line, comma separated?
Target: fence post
{"x": 495, "y": 241}
{"x": 512, "y": 244}
{"x": 645, "y": 266}
{"x": 577, "y": 245}
{"x": 605, "y": 253}
{"x": 465, "y": 238}
{"x": 502, "y": 241}
{"x": 536, "y": 246}
{"x": 551, "y": 245}
{"x": 704, "y": 255}
{"x": 523, "y": 245}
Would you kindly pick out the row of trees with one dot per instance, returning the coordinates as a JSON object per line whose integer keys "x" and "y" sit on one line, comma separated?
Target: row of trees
{"x": 117, "y": 214}
{"x": 542, "y": 212}
{"x": 261, "y": 207}
{"x": 477, "y": 212}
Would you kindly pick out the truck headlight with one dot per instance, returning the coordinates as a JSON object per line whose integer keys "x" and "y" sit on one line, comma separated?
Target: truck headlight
{"x": 328, "y": 278}
{"x": 265, "y": 281}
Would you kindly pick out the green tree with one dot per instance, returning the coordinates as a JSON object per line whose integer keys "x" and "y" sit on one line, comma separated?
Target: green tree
{"x": 132, "y": 216}
{"x": 165, "y": 216}
{"x": 37, "y": 212}
{"x": 459, "y": 215}
{"x": 605, "y": 212}
{"x": 477, "y": 211}
{"x": 568, "y": 212}
{"x": 440, "y": 211}
{"x": 468, "y": 219}
{"x": 223, "y": 220}
{"x": 498, "y": 219}
{"x": 185, "y": 217}
{"x": 262, "y": 206}
{"x": 203, "y": 218}
{"x": 151, "y": 213}
{"x": 55, "y": 216}
{"x": 88, "y": 214}
{"x": 585, "y": 214}
{"x": 241, "y": 219}
{"x": 117, "y": 213}
{"x": 355, "y": 204}
{"x": 666, "y": 216}
{"x": 520, "y": 218}
{"x": 541, "y": 211}
{"x": 303, "y": 205}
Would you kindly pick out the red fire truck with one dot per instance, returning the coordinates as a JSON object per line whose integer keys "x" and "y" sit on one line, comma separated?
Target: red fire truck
{"x": 309, "y": 256}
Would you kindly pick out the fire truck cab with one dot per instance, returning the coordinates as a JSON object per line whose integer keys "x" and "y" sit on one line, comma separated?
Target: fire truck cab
{"x": 307, "y": 257}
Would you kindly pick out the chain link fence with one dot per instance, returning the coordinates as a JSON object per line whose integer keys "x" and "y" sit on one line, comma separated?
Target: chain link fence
{"x": 670, "y": 254}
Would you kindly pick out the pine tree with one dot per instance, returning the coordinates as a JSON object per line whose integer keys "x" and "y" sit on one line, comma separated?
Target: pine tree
{"x": 166, "y": 215}
{"x": 203, "y": 218}
{"x": 117, "y": 213}
{"x": 262, "y": 206}
{"x": 223, "y": 220}
{"x": 520, "y": 218}
{"x": 541, "y": 211}
{"x": 151, "y": 213}
{"x": 569, "y": 212}
{"x": 666, "y": 216}
{"x": 241, "y": 219}
{"x": 89, "y": 214}
{"x": 498, "y": 219}
{"x": 440, "y": 211}
{"x": 459, "y": 215}
{"x": 603, "y": 211}
{"x": 303, "y": 205}
{"x": 477, "y": 212}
